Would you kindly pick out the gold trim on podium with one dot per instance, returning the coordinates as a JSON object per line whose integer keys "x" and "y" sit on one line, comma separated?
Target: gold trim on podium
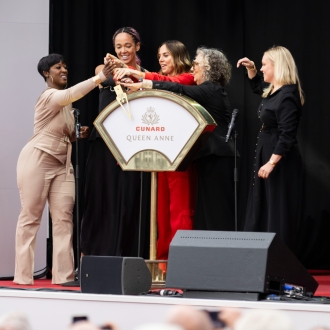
{"x": 154, "y": 161}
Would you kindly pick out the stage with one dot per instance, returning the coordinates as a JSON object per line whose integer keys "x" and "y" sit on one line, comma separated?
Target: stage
{"x": 54, "y": 310}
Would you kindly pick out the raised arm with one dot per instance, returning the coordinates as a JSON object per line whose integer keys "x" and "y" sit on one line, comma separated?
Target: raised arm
{"x": 249, "y": 65}
{"x": 255, "y": 80}
{"x": 184, "y": 78}
{"x": 198, "y": 93}
{"x": 60, "y": 98}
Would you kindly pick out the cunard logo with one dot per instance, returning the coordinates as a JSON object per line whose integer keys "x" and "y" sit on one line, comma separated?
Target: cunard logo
{"x": 150, "y": 117}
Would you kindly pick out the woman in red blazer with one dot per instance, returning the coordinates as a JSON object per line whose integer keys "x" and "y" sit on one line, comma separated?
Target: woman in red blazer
{"x": 175, "y": 189}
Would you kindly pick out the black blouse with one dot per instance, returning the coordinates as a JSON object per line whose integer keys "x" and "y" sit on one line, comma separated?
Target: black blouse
{"x": 280, "y": 110}
{"x": 214, "y": 99}
{"x": 106, "y": 96}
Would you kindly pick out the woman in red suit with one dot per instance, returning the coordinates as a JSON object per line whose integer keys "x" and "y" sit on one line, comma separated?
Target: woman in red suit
{"x": 175, "y": 189}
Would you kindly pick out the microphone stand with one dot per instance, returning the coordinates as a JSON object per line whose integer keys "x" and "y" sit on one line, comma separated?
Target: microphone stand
{"x": 140, "y": 214}
{"x": 77, "y": 133}
{"x": 229, "y": 134}
{"x": 235, "y": 176}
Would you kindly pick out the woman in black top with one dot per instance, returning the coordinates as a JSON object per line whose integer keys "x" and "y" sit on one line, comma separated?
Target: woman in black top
{"x": 111, "y": 195}
{"x": 215, "y": 161}
{"x": 273, "y": 203}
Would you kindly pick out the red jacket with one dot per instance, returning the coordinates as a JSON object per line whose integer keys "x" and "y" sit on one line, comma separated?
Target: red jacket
{"x": 183, "y": 78}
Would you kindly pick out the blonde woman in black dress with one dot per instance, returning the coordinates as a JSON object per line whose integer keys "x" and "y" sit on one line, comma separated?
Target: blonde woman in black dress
{"x": 274, "y": 199}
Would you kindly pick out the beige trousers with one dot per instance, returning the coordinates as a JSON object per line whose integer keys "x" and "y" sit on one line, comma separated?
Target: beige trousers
{"x": 42, "y": 177}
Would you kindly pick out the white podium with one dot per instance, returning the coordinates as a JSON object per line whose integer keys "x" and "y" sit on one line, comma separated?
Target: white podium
{"x": 163, "y": 132}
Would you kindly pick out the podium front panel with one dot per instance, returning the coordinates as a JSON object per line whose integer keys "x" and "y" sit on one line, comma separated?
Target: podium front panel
{"x": 162, "y": 130}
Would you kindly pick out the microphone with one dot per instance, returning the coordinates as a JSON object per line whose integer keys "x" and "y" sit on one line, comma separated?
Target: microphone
{"x": 76, "y": 114}
{"x": 232, "y": 123}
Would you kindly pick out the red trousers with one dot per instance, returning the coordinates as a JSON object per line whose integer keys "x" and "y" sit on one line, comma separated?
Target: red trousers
{"x": 175, "y": 207}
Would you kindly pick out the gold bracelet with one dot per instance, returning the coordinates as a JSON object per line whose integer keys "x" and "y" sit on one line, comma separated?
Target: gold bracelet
{"x": 97, "y": 80}
{"x": 271, "y": 162}
{"x": 254, "y": 68}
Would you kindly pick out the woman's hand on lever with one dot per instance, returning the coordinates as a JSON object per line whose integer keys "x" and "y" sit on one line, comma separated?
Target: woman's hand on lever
{"x": 123, "y": 73}
{"x": 108, "y": 68}
{"x": 127, "y": 82}
{"x": 249, "y": 65}
{"x": 115, "y": 60}
{"x": 145, "y": 84}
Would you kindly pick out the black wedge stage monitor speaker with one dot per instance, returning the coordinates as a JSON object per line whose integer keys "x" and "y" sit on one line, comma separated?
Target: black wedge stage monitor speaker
{"x": 114, "y": 275}
{"x": 234, "y": 262}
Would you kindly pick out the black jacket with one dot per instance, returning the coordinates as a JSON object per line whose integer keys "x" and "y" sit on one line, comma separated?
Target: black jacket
{"x": 214, "y": 99}
{"x": 282, "y": 111}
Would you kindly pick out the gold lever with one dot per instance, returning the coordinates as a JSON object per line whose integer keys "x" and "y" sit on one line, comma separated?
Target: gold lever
{"x": 122, "y": 99}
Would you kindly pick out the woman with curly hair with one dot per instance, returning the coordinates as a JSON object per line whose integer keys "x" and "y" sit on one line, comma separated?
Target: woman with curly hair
{"x": 215, "y": 161}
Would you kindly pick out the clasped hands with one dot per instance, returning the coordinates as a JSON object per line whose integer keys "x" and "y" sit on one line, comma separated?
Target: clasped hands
{"x": 110, "y": 64}
{"x": 121, "y": 73}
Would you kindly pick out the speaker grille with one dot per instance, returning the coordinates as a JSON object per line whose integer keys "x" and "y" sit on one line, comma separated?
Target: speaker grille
{"x": 225, "y": 238}
{"x": 232, "y": 261}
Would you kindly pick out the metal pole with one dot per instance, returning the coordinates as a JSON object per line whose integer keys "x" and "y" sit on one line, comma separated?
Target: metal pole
{"x": 235, "y": 177}
{"x": 140, "y": 214}
{"x": 77, "y": 129}
{"x": 153, "y": 217}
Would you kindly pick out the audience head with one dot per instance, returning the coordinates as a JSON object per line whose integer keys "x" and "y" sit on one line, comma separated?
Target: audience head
{"x": 211, "y": 65}
{"x": 264, "y": 320}
{"x": 158, "y": 326}
{"x": 173, "y": 58}
{"x": 189, "y": 318}
{"x": 14, "y": 321}
{"x": 127, "y": 43}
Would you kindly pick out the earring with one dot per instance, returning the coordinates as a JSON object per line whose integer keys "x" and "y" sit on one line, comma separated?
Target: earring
{"x": 51, "y": 78}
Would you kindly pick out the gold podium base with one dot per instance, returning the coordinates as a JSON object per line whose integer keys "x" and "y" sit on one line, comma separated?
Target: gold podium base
{"x": 158, "y": 273}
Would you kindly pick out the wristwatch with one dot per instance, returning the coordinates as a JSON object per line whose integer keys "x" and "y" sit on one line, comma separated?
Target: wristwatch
{"x": 271, "y": 162}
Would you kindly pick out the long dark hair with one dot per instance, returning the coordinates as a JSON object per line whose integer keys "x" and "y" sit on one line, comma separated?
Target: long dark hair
{"x": 180, "y": 55}
{"x": 133, "y": 33}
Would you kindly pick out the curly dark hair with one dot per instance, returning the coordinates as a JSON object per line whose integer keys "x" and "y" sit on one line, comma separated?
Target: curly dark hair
{"x": 216, "y": 65}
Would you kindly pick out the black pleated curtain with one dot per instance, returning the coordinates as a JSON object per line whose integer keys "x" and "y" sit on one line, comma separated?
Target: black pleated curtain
{"x": 82, "y": 31}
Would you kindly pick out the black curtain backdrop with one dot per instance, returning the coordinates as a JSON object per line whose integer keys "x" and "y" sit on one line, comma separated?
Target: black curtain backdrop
{"x": 82, "y": 31}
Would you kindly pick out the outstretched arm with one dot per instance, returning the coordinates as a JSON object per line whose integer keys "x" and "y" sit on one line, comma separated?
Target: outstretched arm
{"x": 60, "y": 98}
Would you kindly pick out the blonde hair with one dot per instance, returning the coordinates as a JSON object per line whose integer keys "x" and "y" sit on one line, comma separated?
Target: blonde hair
{"x": 285, "y": 69}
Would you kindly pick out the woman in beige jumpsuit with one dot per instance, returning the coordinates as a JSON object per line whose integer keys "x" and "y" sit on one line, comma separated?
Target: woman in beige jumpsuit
{"x": 45, "y": 172}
